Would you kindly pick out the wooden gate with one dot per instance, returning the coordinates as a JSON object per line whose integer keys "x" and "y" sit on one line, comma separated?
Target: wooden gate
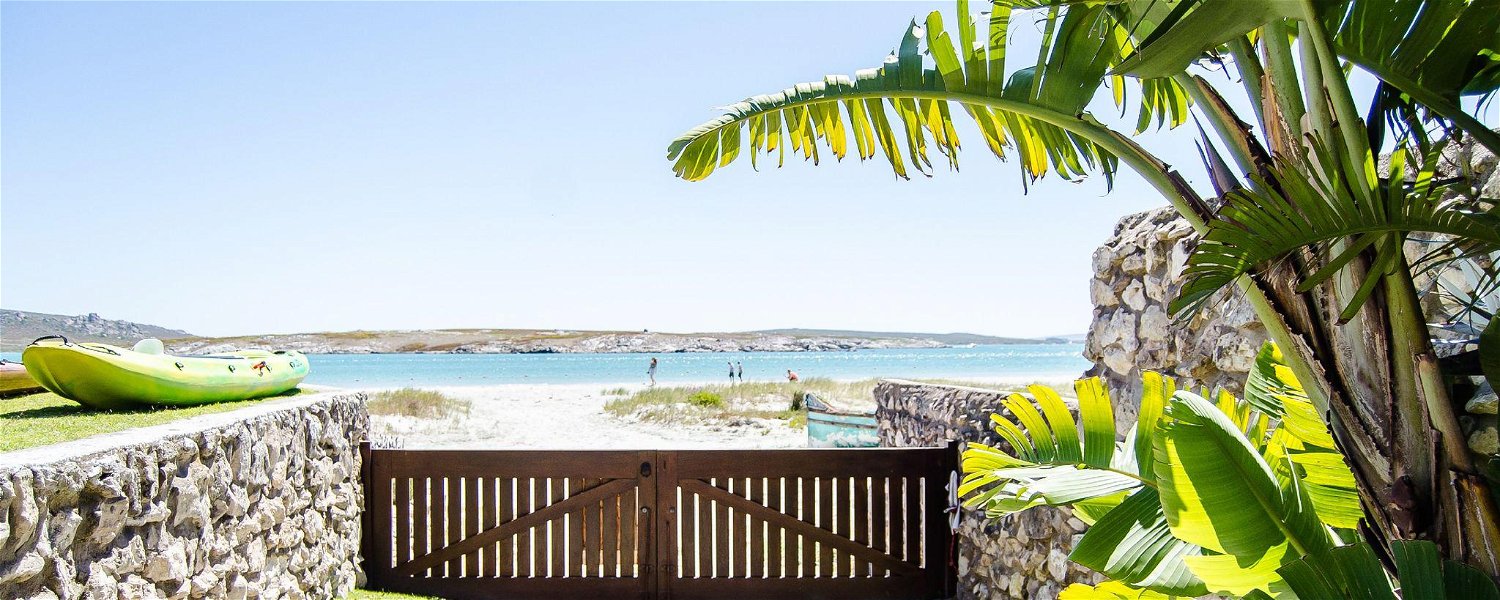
{"x": 816, "y": 523}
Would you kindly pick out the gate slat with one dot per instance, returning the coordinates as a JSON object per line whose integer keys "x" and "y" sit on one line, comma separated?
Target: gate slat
{"x": 474, "y": 561}
{"x": 913, "y": 520}
{"x": 453, "y": 495}
{"x": 807, "y": 513}
{"x": 609, "y": 536}
{"x": 826, "y": 485}
{"x": 629, "y": 517}
{"x": 421, "y": 518}
{"x": 879, "y": 518}
{"x": 741, "y": 531}
{"x": 557, "y": 540}
{"x": 757, "y": 530}
{"x": 574, "y": 531}
{"x": 536, "y": 551}
{"x": 721, "y": 535}
{"x": 403, "y": 520}
{"x": 590, "y": 535}
{"x": 775, "y": 554}
{"x": 690, "y": 535}
{"x": 861, "y": 522}
{"x": 505, "y": 549}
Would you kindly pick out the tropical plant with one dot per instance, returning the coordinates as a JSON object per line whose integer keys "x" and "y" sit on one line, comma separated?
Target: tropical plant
{"x": 1308, "y": 230}
{"x": 1242, "y": 497}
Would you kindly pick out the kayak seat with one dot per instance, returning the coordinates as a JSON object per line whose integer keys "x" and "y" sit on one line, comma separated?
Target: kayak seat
{"x": 149, "y": 346}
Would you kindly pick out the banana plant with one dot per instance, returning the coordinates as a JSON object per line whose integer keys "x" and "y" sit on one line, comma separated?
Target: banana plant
{"x": 1237, "y": 497}
{"x": 1309, "y": 233}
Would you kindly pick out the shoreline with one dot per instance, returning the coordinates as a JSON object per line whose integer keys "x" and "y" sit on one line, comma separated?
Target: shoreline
{"x": 572, "y": 416}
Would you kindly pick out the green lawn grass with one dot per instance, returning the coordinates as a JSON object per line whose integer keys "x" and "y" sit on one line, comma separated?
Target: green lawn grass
{"x": 373, "y": 595}
{"x": 41, "y": 419}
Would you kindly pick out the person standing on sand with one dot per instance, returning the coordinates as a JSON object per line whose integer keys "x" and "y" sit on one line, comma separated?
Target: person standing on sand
{"x": 731, "y": 372}
{"x": 791, "y": 375}
{"x": 651, "y": 371}
{"x": 739, "y": 371}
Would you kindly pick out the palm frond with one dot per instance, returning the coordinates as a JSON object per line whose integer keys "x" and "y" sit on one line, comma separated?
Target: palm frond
{"x": 902, "y": 110}
{"x": 1433, "y": 51}
{"x": 1312, "y": 203}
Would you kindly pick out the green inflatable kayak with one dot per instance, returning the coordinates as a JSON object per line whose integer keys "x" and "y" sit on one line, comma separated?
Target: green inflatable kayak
{"x": 109, "y": 377}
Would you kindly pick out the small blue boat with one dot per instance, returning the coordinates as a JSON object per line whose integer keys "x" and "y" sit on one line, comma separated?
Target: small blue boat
{"x": 829, "y": 427}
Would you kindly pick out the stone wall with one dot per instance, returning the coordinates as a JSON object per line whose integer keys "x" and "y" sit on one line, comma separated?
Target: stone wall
{"x": 1137, "y": 272}
{"x": 1020, "y": 556}
{"x": 263, "y": 502}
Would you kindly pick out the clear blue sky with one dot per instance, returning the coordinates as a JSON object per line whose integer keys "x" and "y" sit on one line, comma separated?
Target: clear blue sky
{"x": 280, "y": 167}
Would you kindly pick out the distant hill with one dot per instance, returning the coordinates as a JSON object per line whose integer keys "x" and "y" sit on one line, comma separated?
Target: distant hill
{"x": 18, "y": 328}
{"x": 951, "y": 339}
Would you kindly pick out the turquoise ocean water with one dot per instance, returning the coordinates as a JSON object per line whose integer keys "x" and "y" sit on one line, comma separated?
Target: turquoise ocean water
{"x": 980, "y": 362}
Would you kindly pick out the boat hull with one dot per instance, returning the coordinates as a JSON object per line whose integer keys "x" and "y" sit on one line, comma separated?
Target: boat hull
{"x": 834, "y": 430}
{"x": 14, "y": 381}
{"x": 108, "y": 377}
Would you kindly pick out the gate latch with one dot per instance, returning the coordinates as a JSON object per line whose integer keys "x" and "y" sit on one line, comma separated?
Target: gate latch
{"x": 645, "y": 469}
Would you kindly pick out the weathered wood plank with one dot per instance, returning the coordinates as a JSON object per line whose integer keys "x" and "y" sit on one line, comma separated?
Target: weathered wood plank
{"x": 609, "y": 537}
{"x": 557, "y": 540}
{"x": 473, "y": 510}
{"x": 421, "y": 519}
{"x": 573, "y": 530}
{"x": 722, "y": 547}
{"x": 689, "y": 516}
{"x": 757, "y": 529}
{"x": 403, "y": 521}
{"x": 592, "y": 551}
{"x": 629, "y": 523}
{"x": 775, "y": 550}
{"x": 879, "y": 518}
{"x": 826, "y": 508}
{"x": 914, "y": 520}
{"x": 612, "y": 464}
{"x": 813, "y": 462}
{"x": 807, "y": 513}
{"x": 861, "y": 503}
{"x": 506, "y": 510}
{"x": 453, "y": 490}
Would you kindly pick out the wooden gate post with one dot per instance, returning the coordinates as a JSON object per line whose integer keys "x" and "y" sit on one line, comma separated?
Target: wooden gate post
{"x": 647, "y": 538}
{"x": 366, "y": 520}
{"x": 666, "y": 534}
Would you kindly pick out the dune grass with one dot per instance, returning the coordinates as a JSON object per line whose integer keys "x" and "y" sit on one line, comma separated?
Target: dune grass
{"x": 749, "y": 400}
{"x": 46, "y": 418}
{"x": 412, "y": 402}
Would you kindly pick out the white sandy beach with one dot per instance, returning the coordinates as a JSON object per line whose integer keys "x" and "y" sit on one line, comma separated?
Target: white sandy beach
{"x": 572, "y": 416}
{"x": 569, "y": 416}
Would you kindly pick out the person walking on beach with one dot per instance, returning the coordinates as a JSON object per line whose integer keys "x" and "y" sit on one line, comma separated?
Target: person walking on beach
{"x": 651, "y": 371}
{"x": 791, "y": 375}
{"x": 739, "y": 371}
{"x": 731, "y": 372}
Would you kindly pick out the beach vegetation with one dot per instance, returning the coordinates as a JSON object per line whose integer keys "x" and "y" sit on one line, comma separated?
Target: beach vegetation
{"x": 1310, "y": 222}
{"x": 46, "y": 418}
{"x": 706, "y": 398}
{"x": 1207, "y": 493}
{"x": 619, "y": 391}
{"x": 416, "y": 403}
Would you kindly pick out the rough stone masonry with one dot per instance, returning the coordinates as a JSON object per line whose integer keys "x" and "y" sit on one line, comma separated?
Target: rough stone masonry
{"x": 1024, "y": 555}
{"x": 262, "y": 502}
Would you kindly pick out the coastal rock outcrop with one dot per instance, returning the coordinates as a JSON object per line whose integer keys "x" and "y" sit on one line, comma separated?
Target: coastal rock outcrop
{"x": 262, "y": 502}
